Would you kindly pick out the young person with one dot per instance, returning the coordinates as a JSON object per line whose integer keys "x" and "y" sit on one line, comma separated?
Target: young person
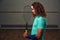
{"x": 39, "y": 24}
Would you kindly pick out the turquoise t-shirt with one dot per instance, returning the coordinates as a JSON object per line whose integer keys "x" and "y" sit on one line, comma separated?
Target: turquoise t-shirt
{"x": 39, "y": 23}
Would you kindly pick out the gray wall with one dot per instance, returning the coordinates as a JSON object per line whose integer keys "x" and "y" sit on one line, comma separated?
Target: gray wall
{"x": 51, "y": 6}
{"x": 59, "y": 14}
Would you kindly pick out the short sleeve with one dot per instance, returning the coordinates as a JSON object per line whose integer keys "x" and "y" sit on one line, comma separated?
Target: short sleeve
{"x": 41, "y": 23}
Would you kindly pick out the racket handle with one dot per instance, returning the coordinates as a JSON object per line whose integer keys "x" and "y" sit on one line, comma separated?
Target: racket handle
{"x": 26, "y": 30}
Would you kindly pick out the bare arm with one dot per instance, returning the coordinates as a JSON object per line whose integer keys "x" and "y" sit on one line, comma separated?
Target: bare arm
{"x": 38, "y": 35}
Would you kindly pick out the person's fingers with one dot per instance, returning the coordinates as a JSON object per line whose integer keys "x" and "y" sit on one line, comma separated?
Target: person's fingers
{"x": 25, "y": 35}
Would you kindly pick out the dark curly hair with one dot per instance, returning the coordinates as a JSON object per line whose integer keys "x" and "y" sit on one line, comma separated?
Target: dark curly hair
{"x": 39, "y": 9}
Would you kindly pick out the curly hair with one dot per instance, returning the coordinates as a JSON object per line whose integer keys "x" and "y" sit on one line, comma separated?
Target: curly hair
{"x": 39, "y": 9}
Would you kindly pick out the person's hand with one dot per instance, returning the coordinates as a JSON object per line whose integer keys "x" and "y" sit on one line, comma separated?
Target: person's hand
{"x": 25, "y": 34}
{"x": 37, "y": 36}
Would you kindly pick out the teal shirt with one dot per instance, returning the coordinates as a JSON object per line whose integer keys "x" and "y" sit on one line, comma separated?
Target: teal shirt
{"x": 39, "y": 23}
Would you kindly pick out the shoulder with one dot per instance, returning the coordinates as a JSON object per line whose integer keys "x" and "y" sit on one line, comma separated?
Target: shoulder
{"x": 41, "y": 18}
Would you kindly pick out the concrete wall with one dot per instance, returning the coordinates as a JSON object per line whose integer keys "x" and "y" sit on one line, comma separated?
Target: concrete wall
{"x": 9, "y": 6}
{"x": 59, "y": 14}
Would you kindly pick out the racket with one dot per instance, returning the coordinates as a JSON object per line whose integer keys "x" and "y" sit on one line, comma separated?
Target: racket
{"x": 27, "y": 15}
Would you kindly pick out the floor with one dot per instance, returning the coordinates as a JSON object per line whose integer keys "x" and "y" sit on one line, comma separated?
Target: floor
{"x": 16, "y": 34}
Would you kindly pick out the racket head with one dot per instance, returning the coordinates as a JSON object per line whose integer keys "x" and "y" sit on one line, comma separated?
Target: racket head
{"x": 27, "y": 13}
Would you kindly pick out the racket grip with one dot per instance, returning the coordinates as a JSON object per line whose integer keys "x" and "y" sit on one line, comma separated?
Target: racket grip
{"x": 26, "y": 30}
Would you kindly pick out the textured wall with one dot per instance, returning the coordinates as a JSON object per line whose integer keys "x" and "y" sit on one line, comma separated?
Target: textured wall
{"x": 17, "y": 7}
